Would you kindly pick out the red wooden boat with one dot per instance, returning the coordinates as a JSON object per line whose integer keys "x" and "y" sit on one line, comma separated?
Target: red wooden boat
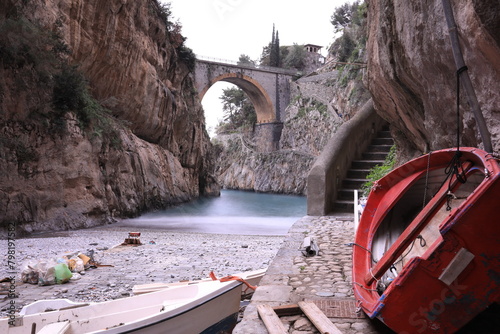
{"x": 426, "y": 257}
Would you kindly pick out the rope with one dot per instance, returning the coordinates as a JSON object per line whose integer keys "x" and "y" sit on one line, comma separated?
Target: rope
{"x": 232, "y": 278}
{"x": 362, "y": 286}
{"x": 459, "y": 71}
{"x": 455, "y": 165}
{"x": 427, "y": 178}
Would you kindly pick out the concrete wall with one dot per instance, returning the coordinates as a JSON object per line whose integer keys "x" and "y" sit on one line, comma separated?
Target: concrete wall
{"x": 348, "y": 143}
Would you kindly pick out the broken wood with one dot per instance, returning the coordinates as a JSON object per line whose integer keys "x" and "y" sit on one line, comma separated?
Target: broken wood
{"x": 271, "y": 319}
{"x": 318, "y": 318}
{"x": 287, "y": 310}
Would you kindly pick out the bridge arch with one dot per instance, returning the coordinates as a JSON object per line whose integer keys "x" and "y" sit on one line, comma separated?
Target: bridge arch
{"x": 259, "y": 97}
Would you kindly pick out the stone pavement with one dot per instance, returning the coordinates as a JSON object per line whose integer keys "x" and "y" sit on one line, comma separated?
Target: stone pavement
{"x": 292, "y": 277}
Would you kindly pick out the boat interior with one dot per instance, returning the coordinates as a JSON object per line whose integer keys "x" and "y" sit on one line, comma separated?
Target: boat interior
{"x": 413, "y": 223}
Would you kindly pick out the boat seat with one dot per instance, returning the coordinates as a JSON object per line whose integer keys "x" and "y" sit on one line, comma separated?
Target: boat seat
{"x": 55, "y": 328}
{"x": 49, "y": 305}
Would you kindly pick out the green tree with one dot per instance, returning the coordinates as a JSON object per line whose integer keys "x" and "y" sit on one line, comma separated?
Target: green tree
{"x": 350, "y": 19}
{"x": 295, "y": 57}
{"x": 238, "y": 110}
{"x": 275, "y": 50}
{"x": 342, "y": 15}
{"x": 271, "y": 53}
{"x": 245, "y": 60}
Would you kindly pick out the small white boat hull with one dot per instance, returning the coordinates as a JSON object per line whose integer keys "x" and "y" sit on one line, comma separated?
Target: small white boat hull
{"x": 184, "y": 309}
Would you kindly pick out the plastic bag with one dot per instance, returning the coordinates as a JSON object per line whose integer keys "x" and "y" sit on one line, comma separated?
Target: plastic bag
{"x": 75, "y": 264}
{"x": 63, "y": 274}
{"x": 29, "y": 273}
{"x": 46, "y": 272}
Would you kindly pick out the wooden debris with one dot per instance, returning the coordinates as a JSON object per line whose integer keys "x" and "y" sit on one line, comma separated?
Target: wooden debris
{"x": 287, "y": 310}
{"x": 271, "y": 320}
{"x": 318, "y": 318}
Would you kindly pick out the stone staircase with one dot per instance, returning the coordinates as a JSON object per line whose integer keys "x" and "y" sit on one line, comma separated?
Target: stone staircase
{"x": 356, "y": 175}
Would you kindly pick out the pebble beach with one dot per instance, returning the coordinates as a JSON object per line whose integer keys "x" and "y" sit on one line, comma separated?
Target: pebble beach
{"x": 162, "y": 257}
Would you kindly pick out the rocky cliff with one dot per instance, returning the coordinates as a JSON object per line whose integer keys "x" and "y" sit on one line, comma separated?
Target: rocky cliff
{"x": 135, "y": 140}
{"x": 411, "y": 71}
{"x": 321, "y": 102}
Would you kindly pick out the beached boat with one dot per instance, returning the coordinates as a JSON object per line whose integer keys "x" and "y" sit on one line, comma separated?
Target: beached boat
{"x": 250, "y": 280}
{"x": 211, "y": 307}
{"x": 426, "y": 257}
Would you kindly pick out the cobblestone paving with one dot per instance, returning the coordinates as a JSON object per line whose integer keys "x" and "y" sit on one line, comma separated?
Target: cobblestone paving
{"x": 293, "y": 277}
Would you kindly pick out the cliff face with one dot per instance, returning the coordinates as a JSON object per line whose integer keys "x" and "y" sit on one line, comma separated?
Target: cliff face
{"x": 411, "y": 71}
{"x": 320, "y": 104}
{"x": 56, "y": 173}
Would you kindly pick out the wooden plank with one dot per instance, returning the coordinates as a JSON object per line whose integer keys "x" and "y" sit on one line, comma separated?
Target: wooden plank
{"x": 318, "y": 318}
{"x": 287, "y": 310}
{"x": 270, "y": 319}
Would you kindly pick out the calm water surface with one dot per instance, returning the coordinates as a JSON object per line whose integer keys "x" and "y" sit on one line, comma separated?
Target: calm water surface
{"x": 234, "y": 212}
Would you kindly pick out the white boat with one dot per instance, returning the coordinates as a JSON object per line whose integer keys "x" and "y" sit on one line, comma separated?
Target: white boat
{"x": 211, "y": 307}
{"x": 250, "y": 279}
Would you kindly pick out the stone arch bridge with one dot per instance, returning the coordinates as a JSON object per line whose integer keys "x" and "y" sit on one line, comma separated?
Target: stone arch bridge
{"x": 267, "y": 87}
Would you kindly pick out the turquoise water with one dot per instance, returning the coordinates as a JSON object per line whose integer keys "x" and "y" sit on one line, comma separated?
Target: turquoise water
{"x": 234, "y": 212}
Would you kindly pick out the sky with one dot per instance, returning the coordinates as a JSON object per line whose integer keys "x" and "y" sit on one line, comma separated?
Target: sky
{"x": 225, "y": 29}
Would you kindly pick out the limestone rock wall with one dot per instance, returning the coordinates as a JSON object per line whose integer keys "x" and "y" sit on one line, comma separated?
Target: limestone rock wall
{"x": 411, "y": 71}
{"x": 56, "y": 175}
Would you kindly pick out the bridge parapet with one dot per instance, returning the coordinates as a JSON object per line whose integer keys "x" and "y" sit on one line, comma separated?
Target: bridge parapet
{"x": 272, "y": 69}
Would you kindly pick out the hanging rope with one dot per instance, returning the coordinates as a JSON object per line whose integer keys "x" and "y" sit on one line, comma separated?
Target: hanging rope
{"x": 459, "y": 71}
{"x": 460, "y": 65}
{"x": 455, "y": 166}
{"x": 427, "y": 179}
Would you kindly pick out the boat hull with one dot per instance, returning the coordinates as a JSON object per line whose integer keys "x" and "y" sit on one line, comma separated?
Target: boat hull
{"x": 210, "y": 307}
{"x": 456, "y": 275}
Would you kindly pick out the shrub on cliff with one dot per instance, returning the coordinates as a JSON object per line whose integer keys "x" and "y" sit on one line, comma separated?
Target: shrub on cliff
{"x": 23, "y": 44}
{"x": 70, "y": 94}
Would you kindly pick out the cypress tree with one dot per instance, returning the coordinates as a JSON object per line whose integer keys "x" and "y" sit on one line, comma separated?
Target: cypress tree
{"x": 277, "y": 50}
{"x": 274, "y": 52}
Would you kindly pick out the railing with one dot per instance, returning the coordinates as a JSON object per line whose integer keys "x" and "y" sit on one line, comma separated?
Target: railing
{"x": 250, "y": 66}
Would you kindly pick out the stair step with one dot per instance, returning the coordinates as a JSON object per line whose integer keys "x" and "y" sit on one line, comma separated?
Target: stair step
{"x": 344, "y": 206}
{"x": 357, "y": 173}
{"x": 346, "y": 195}
{"x": 383, "y": 141}
{"x": 364, "y": 164}
{"x": 353, "y": 183}
{"x": 384, "y": 134}
{"x": 374, "y": 155}
{"x": 379, "y": 148}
